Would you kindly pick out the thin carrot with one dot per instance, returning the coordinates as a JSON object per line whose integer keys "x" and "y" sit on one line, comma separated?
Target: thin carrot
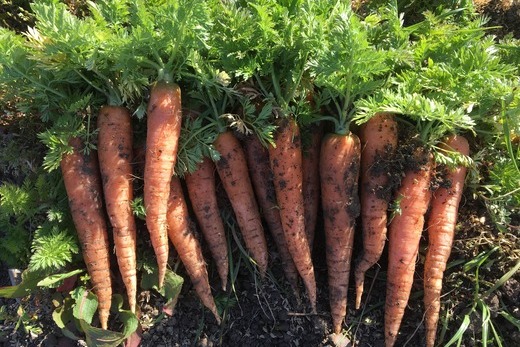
{"x": 339, "y": 172}
{"x": 286, "y": 163}
{"x": 162, "y": 139}
{"x": 378, "y": 142}
{"x": 233, "y": 172}
{"x": 441, "y": 230}
{"x": 115, "y": 163}
{"x": 181, "y": 233}
{"x": 203, "y": 197}
{"x": 404, "y": 234}
{"x": 311, "y": 181}
{"x": 262, "y": 178}
{"x": 81, "y": 177}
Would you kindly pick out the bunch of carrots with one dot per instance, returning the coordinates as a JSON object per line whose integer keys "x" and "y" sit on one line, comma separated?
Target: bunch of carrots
{"x": 311, "y": 161}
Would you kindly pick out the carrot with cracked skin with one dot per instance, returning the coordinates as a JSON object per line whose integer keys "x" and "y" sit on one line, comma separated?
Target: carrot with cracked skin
{"x": 311, "y": 181}
{"x": 83, "y": 185}
{"x": 115, "y": 163}
{"x": 378, "y": 143}
{"x": 441, "y": 231}
{"x": 162, "y": 139}
{"x": 404, "y": 234}
{"x": 181, "y": 233}
{"x": 339, "y": 172}
{"x": 286, "y": 163}
{"x": 262, "y": 178}
{"x": 233, "y": 171}
{"x": 203, "y": 197}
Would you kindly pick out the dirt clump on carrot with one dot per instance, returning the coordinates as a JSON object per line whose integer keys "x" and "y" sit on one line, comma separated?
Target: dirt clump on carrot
{"x": 83, "y": 185}
{"x": 162, "y": 139}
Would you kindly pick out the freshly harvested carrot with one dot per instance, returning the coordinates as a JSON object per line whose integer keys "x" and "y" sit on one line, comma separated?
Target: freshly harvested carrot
{"x": 81, "y": 177}
{"x": 339, "y": 172}
{"x": 162, "y": 140}
{"x": 404, "y": 234}
{"x": 378, "y": 143}
{"x": 233, "y": 172}
{"x": 181, "y": 233}
{"x": 286, "y": 163}
{"x": 311, "y": 181}
{"x": 262, "y": 178}
{"x": 441, "y": 230}
{"x": 203, "y": 197}
{"x": 115, "y": 163}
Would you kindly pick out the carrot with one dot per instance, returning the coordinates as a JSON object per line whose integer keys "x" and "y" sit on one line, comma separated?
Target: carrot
{"x": 83, "y": 185}
{"x": 404, "y": 234}
{"x": 339, "y": 172}
{"x": 162, "y": 139}
{"x": 233, "y": 172}
{"x": 203, "y": 197}
{"x": 262, "y": 178}
{"x": 181, "y": 233}
{"x": 441, "y": 230}
{"x": 378, "y": 142}
{"x": 311, "y": 182}
{"x": 115, "y": 158}
{"x": 286, "y": 163}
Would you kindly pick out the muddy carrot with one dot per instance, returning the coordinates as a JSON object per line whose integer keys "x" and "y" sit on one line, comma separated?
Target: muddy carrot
{"x": 339, "y": 172}
{"x": 262, "y": 178}
{"x": 404, "y": 234}
{"x": 378, "y": 143}
{"x": 115, "y": 163}
{"x": 286, "y": 164}
{"x": 233, "y": 171}
{"x": 162, "y": 139}
{"x": 441, "y": 230}
{"x": 203, "y": 197}
{"x": 83, "y": 185}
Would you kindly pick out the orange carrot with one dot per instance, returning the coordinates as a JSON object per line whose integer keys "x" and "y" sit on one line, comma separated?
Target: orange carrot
{"x": 203, "y": 197}
{"x": 404, "y": 234}
{"x": 181, "y": 233}
{"x": 262, "y": 178}
{"x": 311, "y": 181}
{"x": 339, "y": 172}
{"x": 286, "y": 163}
{"x": 441, "y": 230}
{"x": 115, "y": 163}
{"x": 83, "y": 185}
{"x": 233, "y": 172}
{"x": 378, "y": 142}
{"x": 162, "y": 139}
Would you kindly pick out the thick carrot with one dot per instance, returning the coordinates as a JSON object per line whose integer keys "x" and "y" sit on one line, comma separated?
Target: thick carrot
{"x": 378, "y": 143}
{"x": 162, "y": 139}
{"x": 83, "y": 185}
{"x": 404, "y": 234}
{"x": 262, "y": 178}
{"x": 203, "y": 197}
{"x": 181, "y": 233}
{"x": 233, "y": 172}
{"x": 339, "y": 172}
{"x": 441, "y": 230}
{"x": 311, "y": 181}
{"x": 115, "y": 163}
{"x": 286, "y": 163}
